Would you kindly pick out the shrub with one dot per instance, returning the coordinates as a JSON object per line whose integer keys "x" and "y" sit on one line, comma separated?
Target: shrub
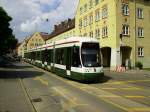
{"x": 139, "y": 65}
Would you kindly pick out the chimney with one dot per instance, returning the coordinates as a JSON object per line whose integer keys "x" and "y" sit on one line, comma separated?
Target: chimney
{"x": 56, "y": 27}
{"x": 69, "y": 20}
{"x": 62, "y": 23}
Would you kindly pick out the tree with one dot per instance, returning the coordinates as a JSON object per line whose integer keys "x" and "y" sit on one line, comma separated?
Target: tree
{"x": 7, "y": 39}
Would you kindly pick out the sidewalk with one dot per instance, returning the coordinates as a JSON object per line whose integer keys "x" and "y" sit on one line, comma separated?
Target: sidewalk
{"x": 132, "y": 71}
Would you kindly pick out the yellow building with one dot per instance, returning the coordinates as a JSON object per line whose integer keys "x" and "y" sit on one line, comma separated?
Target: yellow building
{"x": 22, "y": 47}
{"x": 37, "y": 39}
{"x": 122, "y": 27}
{"x": 63, "y": 30}
{"x": 20, "y": 50}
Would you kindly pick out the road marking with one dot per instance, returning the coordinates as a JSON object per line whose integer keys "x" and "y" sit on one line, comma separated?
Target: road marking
{"x": 102, "y": 97}
{"x": 110, "y": 88}
{"x": 116, "y": 82}
{"x": 127, "y": 88}
{"x": 54, "y": 94}
{"x": 115, "y": 104}
{"x": 105, "y": 96}
{"x": 139, "y": 109}
{"x": 71, "y": 100}
{"x": 124, "y": 82}
{"x": 131, "y": 88}
{"x": 108, "y": 96}
{"x": 41, "y": 80}
{"x": 135, "y": 97}
{"x": 106, "y": 100}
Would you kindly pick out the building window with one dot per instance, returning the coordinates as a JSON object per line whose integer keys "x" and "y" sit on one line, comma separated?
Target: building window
{"x": 91, "y": 34}
{"x": 97, "y": 15}
{"x": 85, "y": 34}
{"x": 104, "y": 12}
{"x": 90, "y": 19}
{"x": 96, "y": 2}
{"x": 81, "y": 10}
{"x": 80, "y": 23}
{"x": 125, "y": 30}
{"x": 125, "y": 9}
{"x": 85, "y": 21}
{"x": 140, "y": 51}
{"x": 97, "y": 33}
{"x": 140, "y": 13}
{"x": 85, "y": 7}
{"x": 104, "y": 31}
{"x": 140, "y": 32}
{"x": 90, "y": 4}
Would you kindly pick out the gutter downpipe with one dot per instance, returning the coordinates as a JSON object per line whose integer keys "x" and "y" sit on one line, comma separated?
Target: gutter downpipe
{"x": 135, "y": 36}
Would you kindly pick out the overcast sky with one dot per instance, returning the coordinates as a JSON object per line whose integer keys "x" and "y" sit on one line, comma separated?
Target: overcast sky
{"x": 31, "y": 15}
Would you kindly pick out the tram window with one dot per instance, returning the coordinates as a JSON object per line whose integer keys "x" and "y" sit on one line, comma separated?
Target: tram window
{"x": 90, "y": 55}
{"x": 43, "y": 54}
{"x": 47, "y": 56}
{"x": 38, "y": 55}
{"x": 76, "y": 57}
{"x": 29, "y": 55}
{"x": 60, "y": 56}
{"x": 32, "y": 56}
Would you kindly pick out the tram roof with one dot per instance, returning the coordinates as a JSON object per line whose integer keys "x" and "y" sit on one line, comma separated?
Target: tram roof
{"x": 67, "y": 41}
{"x": 79, "y": 39}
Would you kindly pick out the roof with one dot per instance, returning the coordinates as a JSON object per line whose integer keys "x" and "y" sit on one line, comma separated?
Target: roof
{"x": 44, "y": 35}
{"x": 62, "y": 27}
{"x": 27, "y": 39}
{"x": 18, "y": 44}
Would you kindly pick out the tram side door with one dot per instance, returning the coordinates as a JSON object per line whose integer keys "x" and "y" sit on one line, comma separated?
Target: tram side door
{"x": 68, "y": 61}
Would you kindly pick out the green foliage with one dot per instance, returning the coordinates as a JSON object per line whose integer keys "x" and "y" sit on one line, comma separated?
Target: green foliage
{"x": 139, "y": 65}
{"x": 7, "y": 39}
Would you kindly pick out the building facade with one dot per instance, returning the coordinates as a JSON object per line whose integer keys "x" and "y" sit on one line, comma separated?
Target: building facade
{"x": 121, "y": 26}
{"x": 22, "y": 48}
{"x": 20, "y": 51}
{"x": 37, "y": 39}
{"x": 63, "y": 30}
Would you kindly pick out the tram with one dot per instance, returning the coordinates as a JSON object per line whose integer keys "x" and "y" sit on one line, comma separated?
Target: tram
{"x": 77, "y": 58}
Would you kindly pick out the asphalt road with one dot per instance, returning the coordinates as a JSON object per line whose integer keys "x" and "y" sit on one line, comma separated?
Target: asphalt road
{"x": 13, "y": 97}
{"x": 34, "y": 89}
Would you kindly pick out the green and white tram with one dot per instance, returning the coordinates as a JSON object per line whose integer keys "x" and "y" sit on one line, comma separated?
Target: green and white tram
{"x": 76, "y": 58}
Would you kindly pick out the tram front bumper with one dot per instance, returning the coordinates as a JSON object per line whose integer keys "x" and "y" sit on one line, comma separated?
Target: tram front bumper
{"x": 92, "y": 76}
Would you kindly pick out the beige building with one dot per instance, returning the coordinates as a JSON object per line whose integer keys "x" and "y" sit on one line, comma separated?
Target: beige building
{"x": 22, "y": 47}
{"x": 37, "y": 39}
{"x": 31, "y": 42}
{"x": 122, "y": 27}
{"x": 20, "y": 50}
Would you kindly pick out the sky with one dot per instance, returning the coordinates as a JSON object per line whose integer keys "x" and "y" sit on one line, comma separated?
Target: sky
{"x": 30, "y": 16}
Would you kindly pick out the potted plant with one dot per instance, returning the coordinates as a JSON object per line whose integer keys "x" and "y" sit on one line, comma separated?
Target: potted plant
{"x": 139, "y": 65}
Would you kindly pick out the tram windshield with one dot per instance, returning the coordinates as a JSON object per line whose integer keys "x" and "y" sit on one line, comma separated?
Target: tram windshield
{"x": 90, "y": 54}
